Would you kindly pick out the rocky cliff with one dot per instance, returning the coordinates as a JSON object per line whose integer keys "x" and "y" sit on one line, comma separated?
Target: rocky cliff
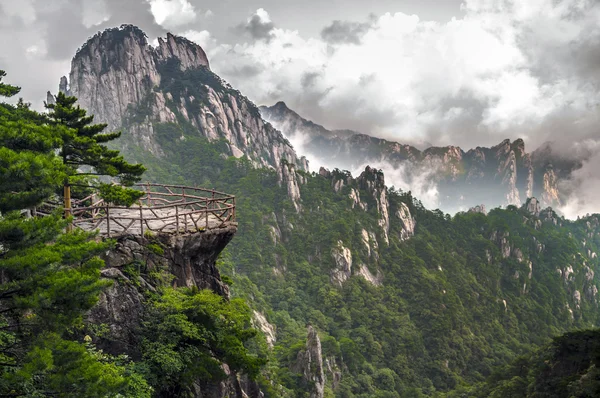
{"x": 130, "y": 85}
{"x": 500, "y": 175}
{"x": 133, "y": 265}
{"x": 309, "y": 363}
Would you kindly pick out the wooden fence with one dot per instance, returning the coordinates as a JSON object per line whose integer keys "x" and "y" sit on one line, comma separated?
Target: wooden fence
{"x": 163, "y": 208}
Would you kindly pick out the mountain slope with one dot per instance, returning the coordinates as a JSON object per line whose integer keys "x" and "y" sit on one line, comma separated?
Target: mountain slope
{"x": 501, "y": 175}
{"x": 361, "y": 290}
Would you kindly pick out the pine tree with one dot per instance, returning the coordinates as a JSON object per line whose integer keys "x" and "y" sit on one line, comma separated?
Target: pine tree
{"x": 82, "y": 147}
{"x": 48, "y": 279}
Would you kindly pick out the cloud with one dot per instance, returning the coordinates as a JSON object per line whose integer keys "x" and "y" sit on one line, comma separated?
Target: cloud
{"x": 345, "y": 32}
{"x": 95, "y": 12}
{"x": 503, "y": 70}
{"x": 40, "y": 37}
{"x": 202, "y": 38}
{"x": 24, "y": 10}
{"x": 258, "y": 26}
{"x": 584, "y": 184}
{"x": 172, "y": 13}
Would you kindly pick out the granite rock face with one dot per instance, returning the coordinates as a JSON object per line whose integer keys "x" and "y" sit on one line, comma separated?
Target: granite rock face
{"x": 130, "y": 85}
{"x": 342, "y": 257}
{"x": 373, "y": 181}
{"x": 190, "y": 259}
{"x": 287, "y": 176}
{"x": 501, "y": 175}
{"x": 368, "y": 191}
{"x": 309, "y": 364}
{"x": 408, "y": 222}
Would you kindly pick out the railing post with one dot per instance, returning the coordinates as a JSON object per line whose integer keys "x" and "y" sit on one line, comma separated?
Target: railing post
{"x": 141, "y": 220}
{"x": 148, "y": 195}
{"x": 176, "y": 219}
{"x": 233, "y": 210}
{"x": 206, "y": 210}
{"x": 67, "y": 200}
{"x": 107, "y": 222}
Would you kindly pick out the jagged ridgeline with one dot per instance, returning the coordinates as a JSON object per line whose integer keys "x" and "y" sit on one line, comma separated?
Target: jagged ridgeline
{"x": 399, "y": 300}
{"x": 501, "y": 175}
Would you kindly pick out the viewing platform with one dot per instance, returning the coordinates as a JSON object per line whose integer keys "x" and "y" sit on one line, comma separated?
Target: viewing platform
{"x": 170, "y": 209}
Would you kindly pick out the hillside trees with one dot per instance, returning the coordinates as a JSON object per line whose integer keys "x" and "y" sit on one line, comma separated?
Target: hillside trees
{"x": 48, "y": 279}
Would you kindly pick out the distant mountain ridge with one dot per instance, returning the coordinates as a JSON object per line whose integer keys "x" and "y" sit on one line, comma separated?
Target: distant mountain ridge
{"x": 501, "y": 175}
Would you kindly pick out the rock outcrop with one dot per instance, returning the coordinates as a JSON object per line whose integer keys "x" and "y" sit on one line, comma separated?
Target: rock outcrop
{"x": 407, "y": 221}
{"x": 287, "y": 176}
{"x": 372, "y": 181}
{"x": 478, "y": 209}
{"x": 368, "y": 191}
{"x": 130, "y": 85}
{"x": 367, "y": 275}
{"x": 342, "y": 258}
{"x": 190, "y": 259}
{"x": 267, "y": 328}
{"x": 309, "y": 363}
{"x": 533, "y": 207}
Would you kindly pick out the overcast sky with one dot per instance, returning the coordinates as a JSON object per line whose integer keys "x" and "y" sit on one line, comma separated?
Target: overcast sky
{"x": 466, "y": 73}
{"x": 444, "y": 72}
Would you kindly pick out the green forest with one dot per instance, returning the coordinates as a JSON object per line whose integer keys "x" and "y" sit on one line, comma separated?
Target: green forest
{"x": 50, "y": 279}
{"x": 473, "y": 305}
{"x": 452, "y": 308}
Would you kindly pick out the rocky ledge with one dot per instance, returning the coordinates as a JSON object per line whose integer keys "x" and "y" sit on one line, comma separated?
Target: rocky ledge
{"x": 136, "y": 264}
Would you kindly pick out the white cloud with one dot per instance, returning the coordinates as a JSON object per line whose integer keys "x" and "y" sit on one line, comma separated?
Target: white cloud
{"x": 263, "y": 16}
{"x": 23, "y": 9}
{"x": 506, "y": 69}
{"x": 470, "y": 81}
{"x": 35, "y": 51}
{"x": 172, "y": 13}
{"x": 584, "y": 187}
{"x": 202, "y": 38}
{"x": 94, "y": 13}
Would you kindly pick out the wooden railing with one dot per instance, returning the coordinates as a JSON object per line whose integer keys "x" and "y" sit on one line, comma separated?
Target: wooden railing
{"x": 163, "y": 208}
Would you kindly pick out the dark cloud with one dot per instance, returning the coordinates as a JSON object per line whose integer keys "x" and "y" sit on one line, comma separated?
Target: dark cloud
{"x": 257, "y": 27}
{"x": 135, "y": 12}
{"x": 64, "y": 30}
{"x": 308, "y": 79}
{"x": 345, "y": 32}
{"x": 244, "y": 72}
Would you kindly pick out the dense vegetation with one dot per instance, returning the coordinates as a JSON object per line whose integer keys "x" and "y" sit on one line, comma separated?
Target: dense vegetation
{"x": 50, "y": 279}
{"x": 468, "y": 307}
{"x": 452, "y": 307}
{"x": 566, "y": 367}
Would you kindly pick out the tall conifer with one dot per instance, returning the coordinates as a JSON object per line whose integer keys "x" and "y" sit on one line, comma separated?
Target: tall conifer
{"x": 83, "y": 153}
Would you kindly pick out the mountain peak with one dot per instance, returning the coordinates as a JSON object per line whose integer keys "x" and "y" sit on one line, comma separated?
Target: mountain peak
{"x": 115, "y": 46}
{"x": 189, "y": 53}
{"x": 282, "y": 110}
{"x": 113, "y": 35}
{"x": 280, "y": 105}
